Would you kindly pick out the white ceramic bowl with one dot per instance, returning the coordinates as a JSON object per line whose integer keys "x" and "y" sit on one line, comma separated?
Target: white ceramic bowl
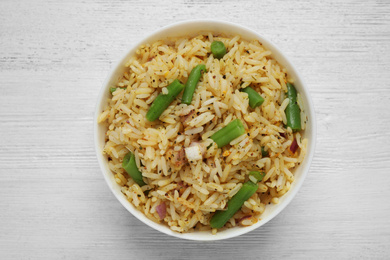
{"x": 189, "y": 28}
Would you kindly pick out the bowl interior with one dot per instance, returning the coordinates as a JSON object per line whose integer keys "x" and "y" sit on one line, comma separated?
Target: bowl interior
{"x": 191, "y": 28}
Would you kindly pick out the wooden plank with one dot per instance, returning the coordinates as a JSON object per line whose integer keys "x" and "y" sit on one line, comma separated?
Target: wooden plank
{"x": 54, "y": 56}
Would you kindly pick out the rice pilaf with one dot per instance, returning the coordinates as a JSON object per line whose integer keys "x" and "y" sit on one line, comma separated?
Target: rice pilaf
{"x": 183, "y": 192}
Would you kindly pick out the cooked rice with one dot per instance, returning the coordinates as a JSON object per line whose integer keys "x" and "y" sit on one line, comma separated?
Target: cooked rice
{"x": 196, "y": 189}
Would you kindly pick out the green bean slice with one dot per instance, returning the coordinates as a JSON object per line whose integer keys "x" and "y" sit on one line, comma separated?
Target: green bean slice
{"x": 255, "y": 99}
{"x": 227, "y": 134}
{"x": 162, "y": 101}
{"x": 264, "y": 153}
{"x": 220, "y": 217}
{"x": 257, "y": 175}
{"x": 293, "y": 112}
{"x": 191, "y": 83}
{"x": 112, "y": 90}
{"x": 218, "y": 49}
{"x": 131, "y": 168}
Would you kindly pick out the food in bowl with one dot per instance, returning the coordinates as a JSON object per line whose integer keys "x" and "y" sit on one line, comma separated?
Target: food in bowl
{"x": 203, "y": 132}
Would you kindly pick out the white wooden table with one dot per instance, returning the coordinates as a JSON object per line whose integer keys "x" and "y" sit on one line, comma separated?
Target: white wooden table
{"x": 54, "y": 56}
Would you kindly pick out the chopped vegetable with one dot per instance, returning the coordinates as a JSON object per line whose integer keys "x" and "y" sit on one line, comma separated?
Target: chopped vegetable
{"x": 255, "y": 99}
{"x": 218, "y": 49}
{"x": 294, "y": 146}
{"x": 293, "y": 112}
{"x": 112, "y": 90}
{"x": 131, "y": 168}
{"x": 220, "y": 217}
{"x": 163, "y": 101}
{"x": 195, "y": 151}
{"x": 186, "y": 116}
{"x": 161, "y": 210}
{"x": 227, "y": 134}
{"x": 258, "y": 176}
{"x": 264, "y": 153}
{"x": 191, "y": 83}
{"x": 177, "y": 158}
{"x": 245, "y": 217}
{"x": 246, "y": 220}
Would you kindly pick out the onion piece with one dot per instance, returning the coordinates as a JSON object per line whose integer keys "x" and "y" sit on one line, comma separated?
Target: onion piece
{"x": 177, "y": 158}
{"x": 181, "y": 184}
{"x": 244, "y": 217}
{"x": 161, "y": 210}
{"x": 243, "y": 221}
{"x": 185, "y": 117}
{"x": 294, "y": 146}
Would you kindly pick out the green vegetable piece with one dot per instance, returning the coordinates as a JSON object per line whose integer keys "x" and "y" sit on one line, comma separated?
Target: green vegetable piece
{"x": 293, "y": 112}
{"x": 147, "y": 192}
{"x": 218, "y": 49}
{"x": 162, "y": 101}
{"x": 191, "y": 83}
{"x": 255, "y": 99}
{"x": 131, "y": 168}
{"x": 291, "y": 93}
{"x": 230, "y": 132}
{"x": 220, "y": 217}
{"x": 112, "y": 90}
{"x": 264, "y": 153}
{"x": 258, "y": 175}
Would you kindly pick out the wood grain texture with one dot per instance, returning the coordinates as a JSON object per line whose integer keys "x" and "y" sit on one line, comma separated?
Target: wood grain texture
{"x": 54, "y": 56}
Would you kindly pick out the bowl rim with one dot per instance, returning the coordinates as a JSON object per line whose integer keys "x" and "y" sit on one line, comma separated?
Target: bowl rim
{"x": 310, "y": 112}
